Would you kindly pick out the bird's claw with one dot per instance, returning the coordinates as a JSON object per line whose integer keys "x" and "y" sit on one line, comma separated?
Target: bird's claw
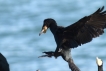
{"x": 48, "y": 54}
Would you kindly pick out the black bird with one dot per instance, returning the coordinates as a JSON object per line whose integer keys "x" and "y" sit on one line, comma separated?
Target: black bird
{"x": 99, "y": 64}
{"x": 72, "y": 36}
{"x": 4, "y": 66}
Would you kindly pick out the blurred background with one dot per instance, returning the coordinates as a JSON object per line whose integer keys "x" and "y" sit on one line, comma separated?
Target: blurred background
{"x": 21, "y": 22}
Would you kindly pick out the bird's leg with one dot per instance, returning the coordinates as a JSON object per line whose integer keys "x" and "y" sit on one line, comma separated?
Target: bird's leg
{"x": 60, "y": 49}
{"x": 52, "y": 53}
{"x": 57, "y": 52}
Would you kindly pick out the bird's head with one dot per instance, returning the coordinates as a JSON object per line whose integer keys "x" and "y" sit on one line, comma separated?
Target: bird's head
{"x": 99, "y": 61}
{"x": 46, "y": 25}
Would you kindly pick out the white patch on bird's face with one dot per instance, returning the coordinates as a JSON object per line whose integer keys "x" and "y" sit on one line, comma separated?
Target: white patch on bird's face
{"x": 44, "y": 29}
{"x": 99, "y": 61}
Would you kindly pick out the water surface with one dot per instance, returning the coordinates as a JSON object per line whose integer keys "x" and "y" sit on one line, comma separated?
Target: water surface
{"x": 21, "y": 22}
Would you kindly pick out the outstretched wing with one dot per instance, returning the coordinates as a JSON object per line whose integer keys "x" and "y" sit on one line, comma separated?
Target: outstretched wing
{"x": 86, "y": 28}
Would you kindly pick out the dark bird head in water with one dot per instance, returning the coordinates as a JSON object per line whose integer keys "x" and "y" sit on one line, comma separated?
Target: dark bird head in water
{"x": 46, "y": 24}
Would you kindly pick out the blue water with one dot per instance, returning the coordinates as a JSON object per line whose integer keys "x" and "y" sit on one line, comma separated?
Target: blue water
{"x": 21, "y": 22}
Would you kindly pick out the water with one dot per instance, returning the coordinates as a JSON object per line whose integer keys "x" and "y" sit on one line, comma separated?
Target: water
{"x": 21, "y": 22}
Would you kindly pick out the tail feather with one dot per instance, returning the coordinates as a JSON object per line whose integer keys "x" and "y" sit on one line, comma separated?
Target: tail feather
{"x": 72, "y": 66}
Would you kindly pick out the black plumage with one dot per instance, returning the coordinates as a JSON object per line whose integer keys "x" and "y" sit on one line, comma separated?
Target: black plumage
{"x": 72, "y": 36}
{"x": 4, "y": 66}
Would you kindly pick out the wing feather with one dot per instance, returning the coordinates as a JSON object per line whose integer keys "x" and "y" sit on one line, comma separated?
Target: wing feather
{"x": 87, "y": 28}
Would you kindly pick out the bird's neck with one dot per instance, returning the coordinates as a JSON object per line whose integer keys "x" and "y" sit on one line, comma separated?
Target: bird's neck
{"x": 53, "y": 28}
{"x": 100, "y": 68}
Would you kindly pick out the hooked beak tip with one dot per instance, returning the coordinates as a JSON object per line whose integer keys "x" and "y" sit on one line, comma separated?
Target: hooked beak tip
{"x": 40, "y": 33}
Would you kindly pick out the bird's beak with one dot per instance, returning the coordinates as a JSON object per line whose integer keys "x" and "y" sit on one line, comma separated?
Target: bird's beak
{"x": 44, "y": 29}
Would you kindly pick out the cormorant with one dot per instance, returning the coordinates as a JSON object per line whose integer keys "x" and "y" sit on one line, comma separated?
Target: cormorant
{"x": 4, "y": 66}
{"x": 99, "y": 63}
{"x": 72, "y": 36}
